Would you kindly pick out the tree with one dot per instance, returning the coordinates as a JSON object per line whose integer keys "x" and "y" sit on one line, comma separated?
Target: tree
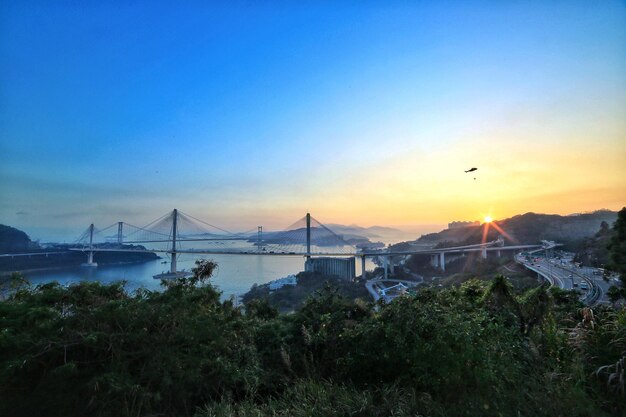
{"x": 605, "y": 229}
{"x": 614, "y": 293}
{"x": 617, "y": 246}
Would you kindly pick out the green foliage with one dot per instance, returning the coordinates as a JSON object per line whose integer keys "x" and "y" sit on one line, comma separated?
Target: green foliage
{"x": 617, "y": 245}
{"x": 311, "y": 398}
{"x": 478, "y": 349}
{"x": 92, "y": 349}
{"x": 616, "y": 293}
{"x": 600, "y": 341}
{"x": 289, "y": 298}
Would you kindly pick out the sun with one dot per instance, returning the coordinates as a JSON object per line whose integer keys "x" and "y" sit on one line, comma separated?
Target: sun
{"x": 488, "y": 219}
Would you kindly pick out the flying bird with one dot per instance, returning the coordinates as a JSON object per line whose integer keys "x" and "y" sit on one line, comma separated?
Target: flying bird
{"x": 471, "y": 170}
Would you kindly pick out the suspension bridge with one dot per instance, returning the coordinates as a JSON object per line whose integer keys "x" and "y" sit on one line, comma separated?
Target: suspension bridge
{"x": 176, "y": 233}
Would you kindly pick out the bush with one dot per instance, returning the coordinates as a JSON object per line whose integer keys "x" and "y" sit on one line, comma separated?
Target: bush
{"x": 478, "y": 349}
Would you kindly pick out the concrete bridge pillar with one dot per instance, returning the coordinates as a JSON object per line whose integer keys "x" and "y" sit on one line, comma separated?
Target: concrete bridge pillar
{"x": 442, "y": 261}
{"x": 363, "y": 267}
{"x": 498, "y": 253}
{"x": 385, "y": 261}
{"x": 483, "y": 253}
{"x": 434, "y": 261}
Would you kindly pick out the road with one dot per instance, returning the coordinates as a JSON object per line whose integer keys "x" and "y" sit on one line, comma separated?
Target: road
{"x": 564, "y": 274}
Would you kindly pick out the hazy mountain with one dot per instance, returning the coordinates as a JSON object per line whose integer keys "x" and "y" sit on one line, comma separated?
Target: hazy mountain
{"x": 372, "y": 231}
{"x": 528, "y": 228}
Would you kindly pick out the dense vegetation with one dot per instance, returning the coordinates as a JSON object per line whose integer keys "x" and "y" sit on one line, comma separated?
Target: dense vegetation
{"x": 477, "y": 349}
{"x": 594, "y": 250}
{"x": 289, "y": 298}
{"x": 13, "y": 240}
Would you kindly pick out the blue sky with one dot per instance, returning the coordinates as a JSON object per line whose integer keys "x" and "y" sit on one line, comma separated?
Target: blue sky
{"x": 246, "y": 114}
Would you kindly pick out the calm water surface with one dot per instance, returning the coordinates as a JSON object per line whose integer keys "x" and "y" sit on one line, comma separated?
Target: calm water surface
{"x": 234, "y": 276}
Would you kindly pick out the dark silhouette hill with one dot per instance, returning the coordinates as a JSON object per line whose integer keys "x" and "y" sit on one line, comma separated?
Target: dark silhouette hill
{"x": 527, "y": 228}
{"x": 13, "y": 240}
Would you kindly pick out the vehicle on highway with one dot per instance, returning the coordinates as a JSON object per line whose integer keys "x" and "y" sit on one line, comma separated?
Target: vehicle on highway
{"x": 584, "y": 286}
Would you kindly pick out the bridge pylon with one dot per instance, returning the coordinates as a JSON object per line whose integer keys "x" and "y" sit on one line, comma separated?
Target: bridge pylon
{"x": 308, "y": 235}
{"x": 120, "y": 233}
{"x": 173, "y": 253}
{"x": 90, "y": 263}
{"x": 174, "y": 273}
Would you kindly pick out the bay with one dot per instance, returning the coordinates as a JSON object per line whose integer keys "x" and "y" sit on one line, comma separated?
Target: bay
{"x": 235, "y": 274}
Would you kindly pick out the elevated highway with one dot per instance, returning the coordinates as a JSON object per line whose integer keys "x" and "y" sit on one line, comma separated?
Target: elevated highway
{"x": 565, "y": 278}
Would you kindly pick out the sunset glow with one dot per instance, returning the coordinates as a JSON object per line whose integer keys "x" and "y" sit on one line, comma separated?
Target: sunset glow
{"x": 368, "y": 116}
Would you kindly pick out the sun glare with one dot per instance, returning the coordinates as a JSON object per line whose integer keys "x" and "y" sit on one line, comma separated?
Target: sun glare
{"x": 488, "y": 219}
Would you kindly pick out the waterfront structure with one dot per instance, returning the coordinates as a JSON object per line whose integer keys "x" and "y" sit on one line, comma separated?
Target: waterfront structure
{"x": 279, "y": 283}
{"x": 342, "y": 267}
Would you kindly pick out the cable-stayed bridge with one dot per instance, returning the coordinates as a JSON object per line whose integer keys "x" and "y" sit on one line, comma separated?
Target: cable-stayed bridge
{"x": 177, "y": 233}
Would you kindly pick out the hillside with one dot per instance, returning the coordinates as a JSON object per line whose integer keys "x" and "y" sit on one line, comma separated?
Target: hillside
{"x": 13, "y": 240}
{"x": 290, "y": 298}
{"x": 370, "y": 232}
{"x": 527, "y": 228}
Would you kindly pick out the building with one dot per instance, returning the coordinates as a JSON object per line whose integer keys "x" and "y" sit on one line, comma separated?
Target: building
{"x": 457, "y": 225}
{"x": 279, "y": 283}
{"x": 342, "y": 267}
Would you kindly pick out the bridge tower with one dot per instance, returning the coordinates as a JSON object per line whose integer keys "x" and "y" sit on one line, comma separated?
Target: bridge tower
{"x": 90, "y": 263}
{"x": 174, "y": 233}
{"x": 308, "y": 235}
{"x": 120, "y": 234}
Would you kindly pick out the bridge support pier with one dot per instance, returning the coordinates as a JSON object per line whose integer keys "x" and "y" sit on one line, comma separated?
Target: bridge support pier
{"x": 434, "y": 261}
{"x": 483, "y": 253}
{"x": 363, "y": 275}
{"x": 442, "y": 261}
{"x": 498, "y": 253}
{"x": 385, "y": 261}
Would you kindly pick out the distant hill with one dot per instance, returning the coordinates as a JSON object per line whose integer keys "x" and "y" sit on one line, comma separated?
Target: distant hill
{"x": 527, "y": 228}
{"x": 319, "y": 237}
{"x": 371, "y": 232}
{"x": 13, "y": 240}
